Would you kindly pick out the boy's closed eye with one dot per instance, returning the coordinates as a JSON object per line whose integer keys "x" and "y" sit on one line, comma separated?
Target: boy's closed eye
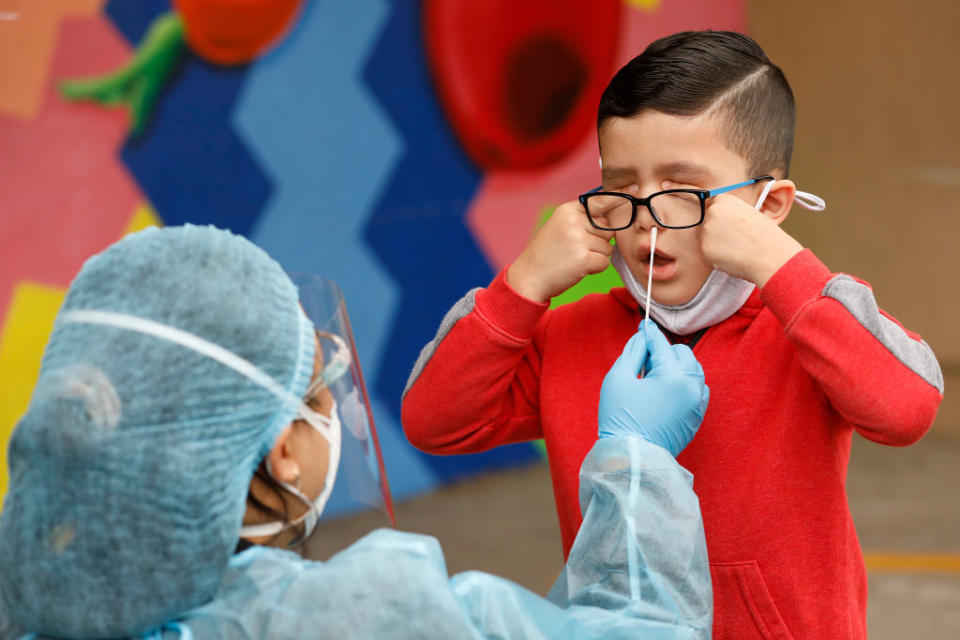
{"x": 671, "y": 184}
{"x": 623, "y": 187}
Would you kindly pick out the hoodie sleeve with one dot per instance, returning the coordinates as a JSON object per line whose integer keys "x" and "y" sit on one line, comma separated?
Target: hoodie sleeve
{"x": 476, "y": 385}
{"x": 879, "y": 376}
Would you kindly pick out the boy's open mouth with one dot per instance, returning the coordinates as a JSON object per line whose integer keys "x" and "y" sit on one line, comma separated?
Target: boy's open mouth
{"x": 659, "y": 260}
{"x": 664, "y": 265}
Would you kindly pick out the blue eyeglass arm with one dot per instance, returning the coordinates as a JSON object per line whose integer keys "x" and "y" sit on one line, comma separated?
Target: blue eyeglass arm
{"x": 732, "y": 187}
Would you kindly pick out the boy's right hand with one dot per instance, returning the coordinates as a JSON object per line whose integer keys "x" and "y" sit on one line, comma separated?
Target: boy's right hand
{"x": 560, "y": 254}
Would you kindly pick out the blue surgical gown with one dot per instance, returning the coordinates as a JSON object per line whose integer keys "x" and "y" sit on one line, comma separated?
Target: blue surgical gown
{"x": 638, "y": 569}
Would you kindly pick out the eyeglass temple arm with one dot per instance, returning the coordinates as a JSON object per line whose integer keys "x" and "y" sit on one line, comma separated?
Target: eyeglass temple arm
{"x": 732, "y": 187}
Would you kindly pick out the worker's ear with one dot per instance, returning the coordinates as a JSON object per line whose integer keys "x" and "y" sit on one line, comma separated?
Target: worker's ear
{"x": 283, "y": 466}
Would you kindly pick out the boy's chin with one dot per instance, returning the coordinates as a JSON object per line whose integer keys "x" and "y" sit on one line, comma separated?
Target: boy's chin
{"x": 671, "y": 301}
{"x": 674, "y": 294}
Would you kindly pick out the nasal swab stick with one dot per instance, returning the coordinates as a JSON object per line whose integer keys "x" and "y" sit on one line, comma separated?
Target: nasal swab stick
{"x": 653, "y": 247}
{"x": 646, "y": 309}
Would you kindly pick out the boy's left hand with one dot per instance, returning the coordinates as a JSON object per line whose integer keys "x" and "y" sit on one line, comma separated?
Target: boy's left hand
{"x": 741, "y": 241}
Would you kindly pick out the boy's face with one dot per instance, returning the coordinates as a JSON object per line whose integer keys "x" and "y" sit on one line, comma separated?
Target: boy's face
{"x": 642, "y": 152}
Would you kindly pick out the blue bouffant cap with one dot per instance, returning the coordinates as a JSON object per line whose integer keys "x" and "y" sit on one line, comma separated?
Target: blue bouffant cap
{"x": 129, "y": 471}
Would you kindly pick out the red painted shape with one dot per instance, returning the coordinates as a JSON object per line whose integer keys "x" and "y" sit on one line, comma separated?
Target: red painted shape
{"x": 234, "y": 31}
{"x": 65, "y": 193}
{"x": 519, "y": 81}
{"x": 506, "y": 206}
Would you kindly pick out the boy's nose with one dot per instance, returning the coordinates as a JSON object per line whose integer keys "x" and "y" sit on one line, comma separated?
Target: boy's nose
{"x": 645, "y": 220}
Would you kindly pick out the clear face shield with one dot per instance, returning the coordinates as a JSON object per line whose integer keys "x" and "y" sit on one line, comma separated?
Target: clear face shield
{"x": 339, "y": 409}
{"x": 336, "y": 406}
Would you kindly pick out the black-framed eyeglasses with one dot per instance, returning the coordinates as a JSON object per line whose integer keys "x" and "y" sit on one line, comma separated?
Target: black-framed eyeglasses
{"x": 671, "y": 209}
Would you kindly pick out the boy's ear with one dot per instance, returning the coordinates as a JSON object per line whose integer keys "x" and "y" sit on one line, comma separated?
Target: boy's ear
{"x": 779, "y": 200}
{"x": 283, "y": 465}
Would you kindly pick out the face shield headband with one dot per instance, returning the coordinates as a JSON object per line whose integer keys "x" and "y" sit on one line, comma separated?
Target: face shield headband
{"x": 329, "y": 428}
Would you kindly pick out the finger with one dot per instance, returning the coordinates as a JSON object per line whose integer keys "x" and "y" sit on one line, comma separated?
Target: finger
{"x": 600, "y": 245}
{"x": 602, "y": 209}
{"x": 661, "y": 355}
{"x": 704, "y": 402}
{"x": 634, "y": 353}
{"x": 596, "y": 263}
{"x": 688, "y": 362}
{"x": 599, "y": 233}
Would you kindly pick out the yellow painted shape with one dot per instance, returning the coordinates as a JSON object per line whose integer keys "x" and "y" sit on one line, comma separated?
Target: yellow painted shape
{"x": 23, "y": 337}
{"x": 645, "y": 5}
{"x": 912, "y": 562}
{"x": 145, "y": 216}
{"x": 28, "y": 35}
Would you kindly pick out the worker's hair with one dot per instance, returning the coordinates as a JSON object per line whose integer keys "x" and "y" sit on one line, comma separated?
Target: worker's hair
{"x": 721, "y": 72}
{"x": 283, "y": 516}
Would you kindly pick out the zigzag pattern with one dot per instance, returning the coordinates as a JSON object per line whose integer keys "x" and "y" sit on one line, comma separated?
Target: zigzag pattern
{"x": 417, "y": 228}
{"x": 330, "y": 151}
{"x": 190, "y": 162}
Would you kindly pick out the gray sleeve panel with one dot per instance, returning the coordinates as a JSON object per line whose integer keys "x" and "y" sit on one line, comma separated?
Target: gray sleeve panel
{"x": 859, "y": 301}
{"x": 459, "y": 310}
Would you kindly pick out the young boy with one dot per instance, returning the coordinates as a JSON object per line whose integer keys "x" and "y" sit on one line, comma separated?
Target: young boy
{"x": 796, "y": 357}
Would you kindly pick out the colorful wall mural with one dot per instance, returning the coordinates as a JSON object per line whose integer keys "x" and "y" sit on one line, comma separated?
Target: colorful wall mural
{"x": 406, "y": 149}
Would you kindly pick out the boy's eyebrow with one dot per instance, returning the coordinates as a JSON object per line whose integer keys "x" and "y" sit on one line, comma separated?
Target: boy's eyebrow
{"x": 681, "y": 171}
{"x": 615, "y": 173}
{"x": 688, "y": 172}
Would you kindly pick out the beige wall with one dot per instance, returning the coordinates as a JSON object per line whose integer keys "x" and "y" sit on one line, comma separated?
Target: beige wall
{"x": 878, "y": 136}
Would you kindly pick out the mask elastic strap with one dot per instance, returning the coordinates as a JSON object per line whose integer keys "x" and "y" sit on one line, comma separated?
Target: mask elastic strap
{"x": 269, "y": 529}
{"x": 806, "y": 200}
{"x": 184, "y": 339}
{"x": 809, "y": 201}
{"x": 315, "y": 507}
{"x": 767, "y": 185}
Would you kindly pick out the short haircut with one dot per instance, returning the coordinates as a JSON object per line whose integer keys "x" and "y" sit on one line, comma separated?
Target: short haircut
{"x": 723, "y": 72}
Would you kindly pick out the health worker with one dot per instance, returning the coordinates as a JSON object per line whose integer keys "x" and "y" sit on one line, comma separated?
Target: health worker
{"x": 196, "y": 412}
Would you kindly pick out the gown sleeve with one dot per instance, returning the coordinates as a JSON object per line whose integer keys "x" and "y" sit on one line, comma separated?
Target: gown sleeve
{"x": 638, "y": 569}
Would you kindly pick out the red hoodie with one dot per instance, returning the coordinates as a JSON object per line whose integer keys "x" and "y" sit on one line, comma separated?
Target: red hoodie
{"x": 804, "y": 363}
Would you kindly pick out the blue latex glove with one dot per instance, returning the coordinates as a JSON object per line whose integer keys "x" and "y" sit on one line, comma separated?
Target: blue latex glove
{"x": 664, "y": 408}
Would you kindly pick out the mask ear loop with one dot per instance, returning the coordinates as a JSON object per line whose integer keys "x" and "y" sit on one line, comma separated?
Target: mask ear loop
{"x": 330, "y": 429}
{"x": 809, "y": 201}
{"x": 806, "y": 200}
{"x": 763, "y": 194}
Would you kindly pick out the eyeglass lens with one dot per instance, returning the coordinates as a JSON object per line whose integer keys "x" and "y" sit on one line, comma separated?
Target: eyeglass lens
{"x": 679, "y": 209}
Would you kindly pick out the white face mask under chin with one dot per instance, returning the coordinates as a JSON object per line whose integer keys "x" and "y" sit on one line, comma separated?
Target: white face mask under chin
{"x": 719, "y": 297}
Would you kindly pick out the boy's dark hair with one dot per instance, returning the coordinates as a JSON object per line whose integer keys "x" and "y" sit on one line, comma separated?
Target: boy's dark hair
{"x": 725, "y": 72}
